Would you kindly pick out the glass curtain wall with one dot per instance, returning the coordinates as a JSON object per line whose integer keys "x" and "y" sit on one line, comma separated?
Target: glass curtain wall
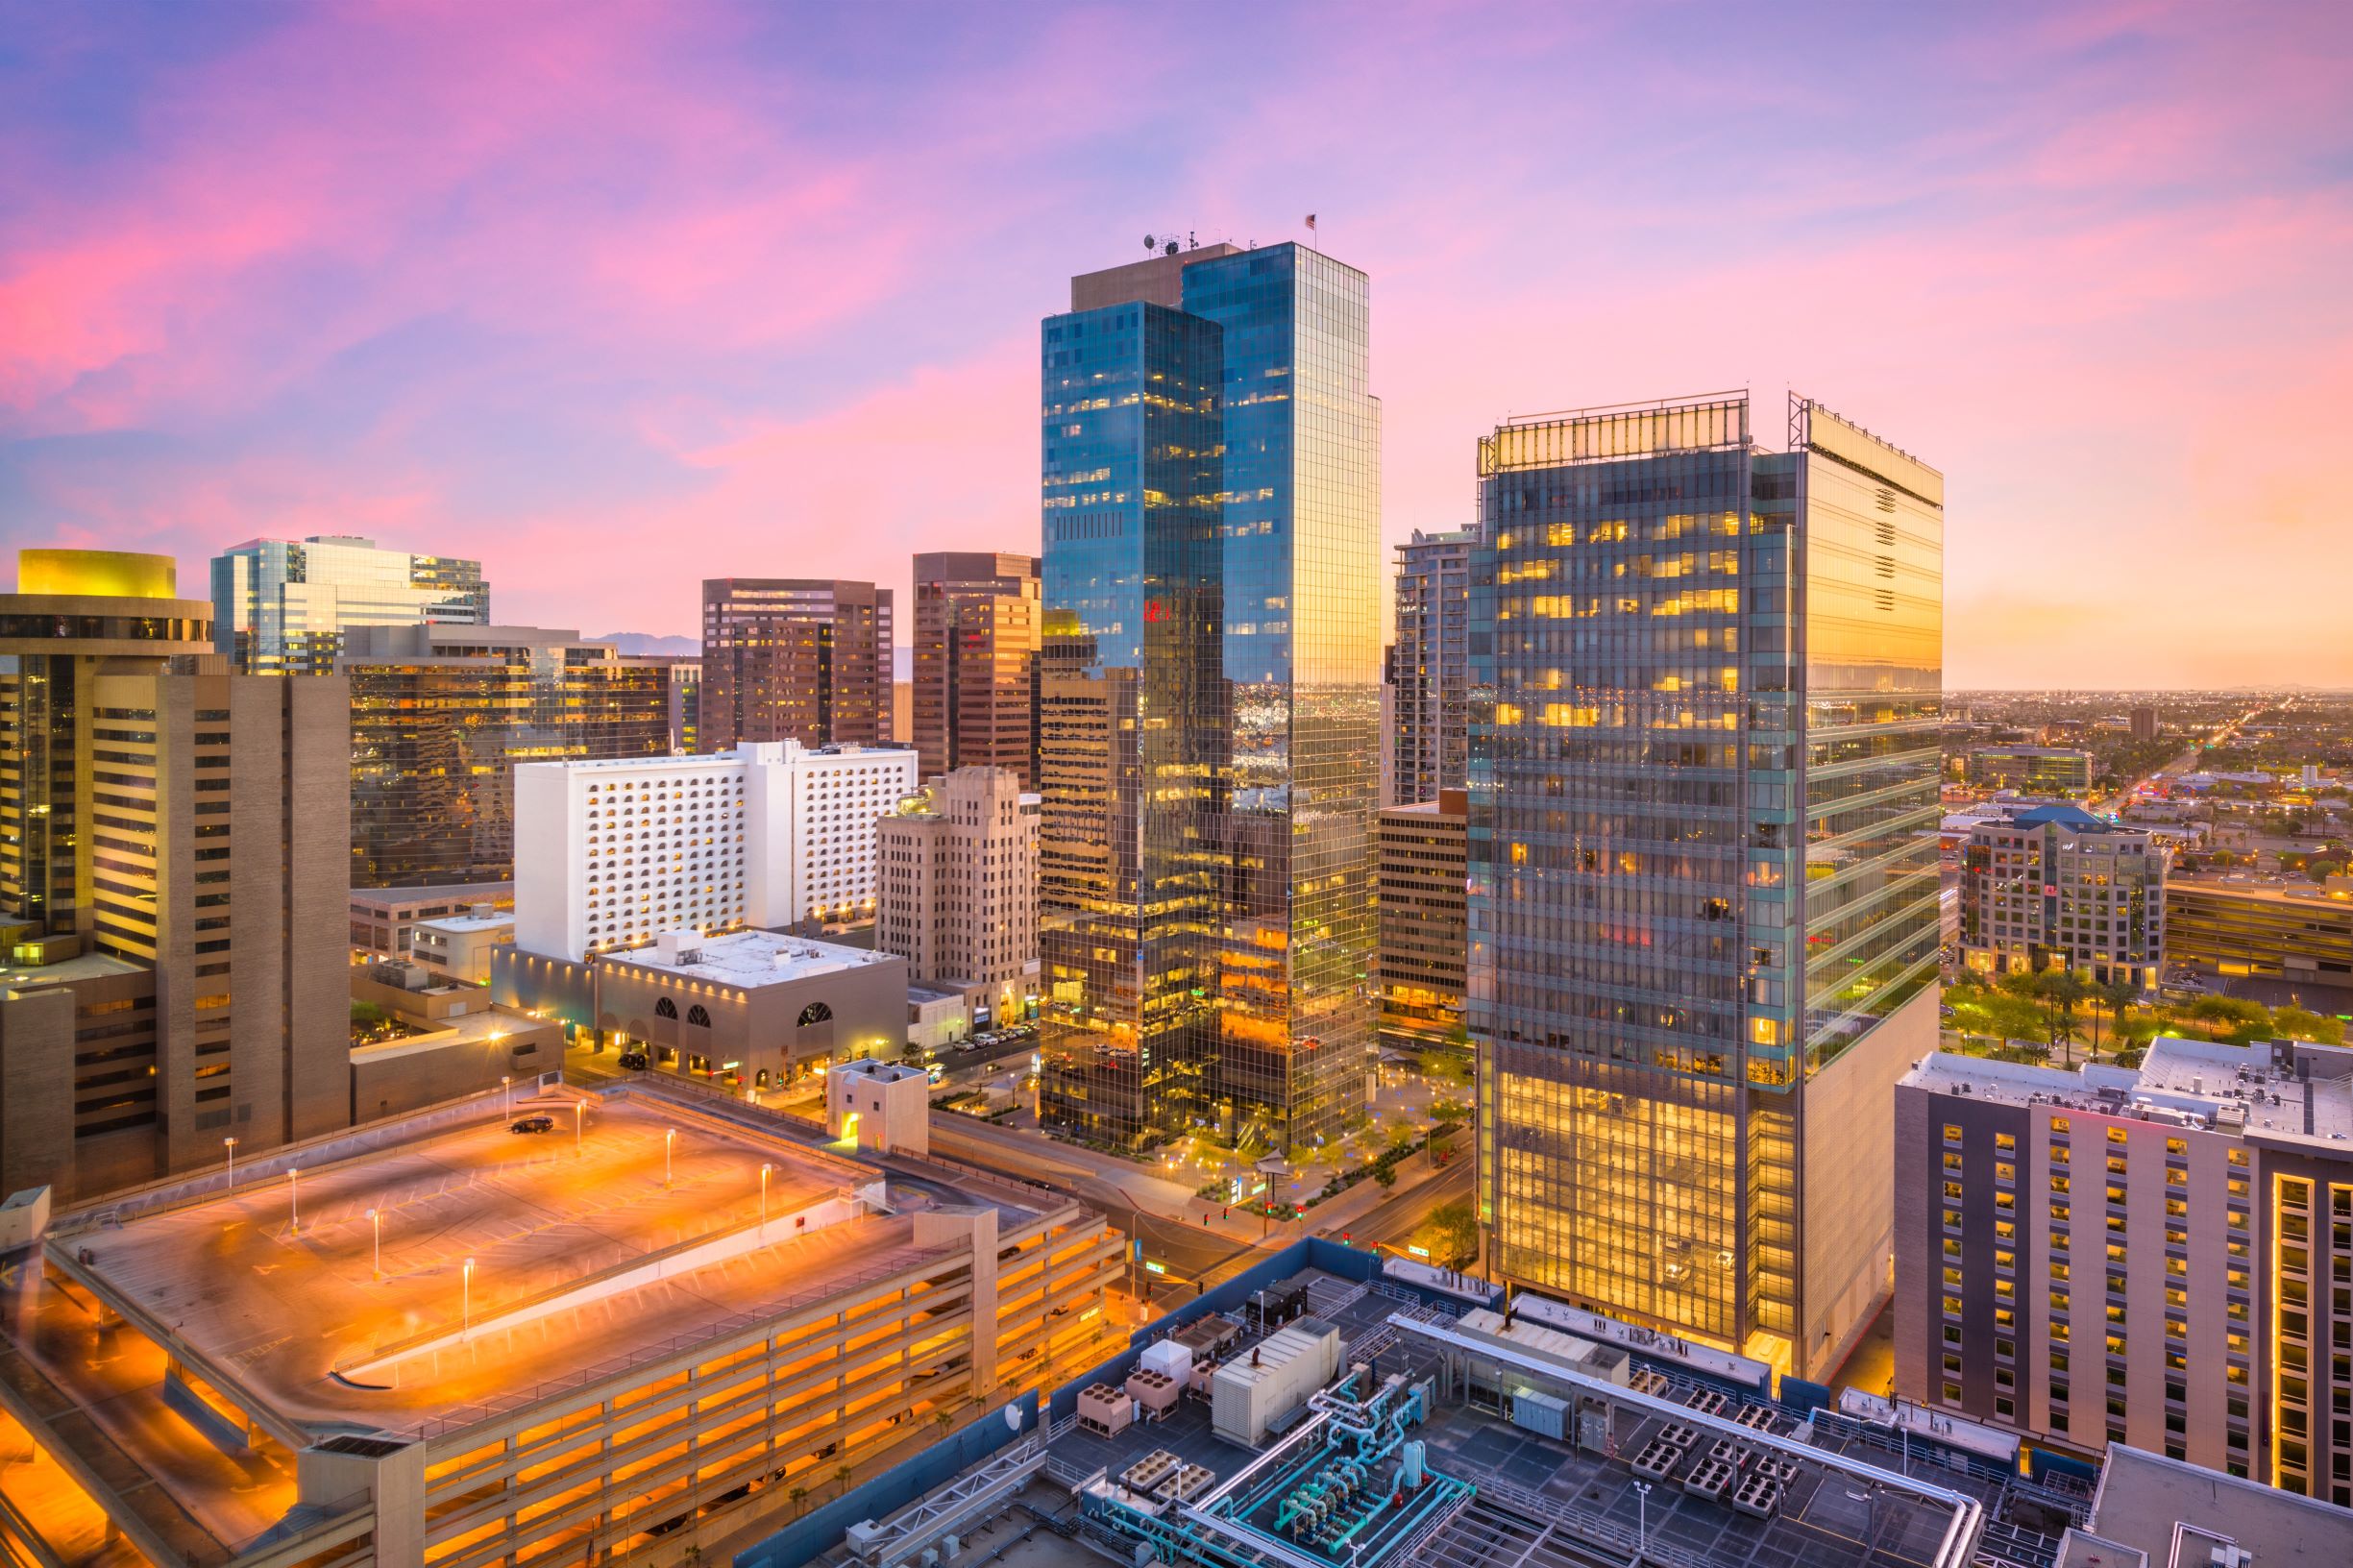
{"x": 1132, "y": 718}
{"x": 1300, "y": 526}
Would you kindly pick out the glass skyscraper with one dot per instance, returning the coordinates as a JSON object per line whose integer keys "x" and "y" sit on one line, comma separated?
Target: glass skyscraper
{"x": 1707, "y": 688}
{"x": 1131, "y": 741}
{"x": 282, "y": 606}
{"x": 1212, "y": 513}
{"x": 1301, "y": 532}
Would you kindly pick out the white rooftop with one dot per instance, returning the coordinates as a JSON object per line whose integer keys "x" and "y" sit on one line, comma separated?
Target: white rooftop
{"x": 747, "y": 958}
{"x": 503, "y": 919}
{"x": 2206, "y": 1083}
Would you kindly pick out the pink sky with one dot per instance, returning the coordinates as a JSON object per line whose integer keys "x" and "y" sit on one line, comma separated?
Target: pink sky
{"x": 618, "y": 297}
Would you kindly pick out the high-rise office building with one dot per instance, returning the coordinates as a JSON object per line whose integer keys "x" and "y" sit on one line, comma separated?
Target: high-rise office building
{"x": 440, "y": 716}
{"x": 1703, "y": 861}
{"x": 1302, "y": 632}
{"x": 2208, "y": 1310}
{"x": 282, "y": 606}
{"x": 1131, "y": 709}
{"x": 172, "y": 886}
{"x": 2058, "y": 887}
{"x": 684, "y": 678}
{"x": 978, "y": 625}
{"x": 1424, "y": 859}
{"x": 1430, "y": 664}
{"x": 795, "y": 659}
{"x": 2145, "y": 726}
{"x": 957, "y": 873}
{"x": 1279, "y": 337}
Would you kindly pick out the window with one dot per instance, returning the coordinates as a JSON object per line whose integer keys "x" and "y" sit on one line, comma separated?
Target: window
{"x": 665, "y": 1009}
{"x": 698, "y": 1016}
{"x": 815, "y": 1012}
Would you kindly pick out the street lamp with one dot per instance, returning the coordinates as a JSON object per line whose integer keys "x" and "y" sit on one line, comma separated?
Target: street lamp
{"x": 579, "y": 1109}
{"x": 764, "y": 1170}
{"x": 231, "y": 1144}
{"x": 465, "y": 1307}
{"x": 376, "y": 1219}
{"x": 1642, "y": 1516}
{"x": 294, "y": 1199}
{"x": 506, "y": 1092}
{"x": 669, "y": 1142}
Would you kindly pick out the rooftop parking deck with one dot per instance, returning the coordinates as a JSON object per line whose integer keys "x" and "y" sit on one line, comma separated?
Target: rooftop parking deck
{"x": 534, "y": 1246}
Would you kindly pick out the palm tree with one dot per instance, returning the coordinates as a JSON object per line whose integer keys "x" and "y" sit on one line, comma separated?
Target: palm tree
{"x": 840, "y": 1480}
{"x": 797, "y": 1497}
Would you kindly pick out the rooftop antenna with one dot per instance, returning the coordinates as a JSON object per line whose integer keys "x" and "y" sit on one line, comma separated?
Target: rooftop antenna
{"x": 1166, "y": 243}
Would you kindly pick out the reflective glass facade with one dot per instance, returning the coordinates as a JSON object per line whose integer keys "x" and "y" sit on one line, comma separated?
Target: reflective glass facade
{"x": 1132, "y": 734}
{"x": 1702, "y": 845}
{"x": 1209, "y": 701}
{"x": 441, "y": 715}
{"x": 1301, "y": 531}
{"x": 282, "y": 605}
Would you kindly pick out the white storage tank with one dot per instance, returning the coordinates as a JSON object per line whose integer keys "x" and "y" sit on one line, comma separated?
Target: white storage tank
{"x": 1267, "y": 1382}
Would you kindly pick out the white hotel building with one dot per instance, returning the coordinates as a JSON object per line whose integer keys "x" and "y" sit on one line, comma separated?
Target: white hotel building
{"x": 609, "y": 855}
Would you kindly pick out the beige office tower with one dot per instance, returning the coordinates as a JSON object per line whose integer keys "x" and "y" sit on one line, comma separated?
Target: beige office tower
{"x": 978, "y": 631}
{"x": 958, "y": 866}
{"x": 175, "y": 837}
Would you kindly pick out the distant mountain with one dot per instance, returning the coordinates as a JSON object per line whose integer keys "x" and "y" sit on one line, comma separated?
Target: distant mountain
{"x": 641, "y": 641}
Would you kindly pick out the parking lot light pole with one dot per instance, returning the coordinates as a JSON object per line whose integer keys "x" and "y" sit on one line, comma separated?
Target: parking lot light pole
{"x": 764, "y": 1170}
{"x": 580, "y": 1110}
{"x": 465, "y": 1302}
{"x": 669, "y": 1142}
{"x": 376, "y": 1217}
{"x": 294, "y": 1199}
{"x": 1642, "y": 1517}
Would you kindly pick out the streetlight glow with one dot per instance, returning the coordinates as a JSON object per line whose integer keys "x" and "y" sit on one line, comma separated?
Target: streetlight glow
{"x": 376, "y": 1217}
{"x": 465, "y": 1307}
{"x": 764, "y": 1170}
{"x": 294, "y": 1199}
{"x": 231, "y": 1144}
{"x": 669, "y": 1141}
{"x": 579, "y": 1109}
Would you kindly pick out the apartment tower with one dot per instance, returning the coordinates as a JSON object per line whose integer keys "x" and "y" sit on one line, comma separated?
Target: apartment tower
{"x": 978, "y": 625}
{"x": 795, "y": 659}
{"x": 1702, "y": 861}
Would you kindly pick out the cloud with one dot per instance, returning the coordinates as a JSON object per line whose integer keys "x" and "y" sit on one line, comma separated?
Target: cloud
{"x": 621, "y": 298}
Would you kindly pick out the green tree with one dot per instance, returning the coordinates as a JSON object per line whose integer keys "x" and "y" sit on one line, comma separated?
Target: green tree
{"x": 841, "y": 1481}
{"x": 1385, "y": 1173}
{"x": 1456, "y": 1226}
{"x": 797, "y": 1497}
{"x": 2296, "y": 1023}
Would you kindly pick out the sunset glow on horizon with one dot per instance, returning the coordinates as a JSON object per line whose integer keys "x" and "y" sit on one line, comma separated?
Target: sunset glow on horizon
{"x": 615, "y": 298}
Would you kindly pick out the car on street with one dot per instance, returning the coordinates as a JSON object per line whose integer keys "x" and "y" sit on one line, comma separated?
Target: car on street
{"x": 533, "y": 1124}
{"x": 634, "y": 1060}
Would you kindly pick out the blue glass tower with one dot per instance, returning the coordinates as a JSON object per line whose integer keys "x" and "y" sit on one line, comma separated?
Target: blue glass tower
{"x": 1301, "y": 527}
{"x": 1210, "y": 709}
{"x": 1131, "y": 740}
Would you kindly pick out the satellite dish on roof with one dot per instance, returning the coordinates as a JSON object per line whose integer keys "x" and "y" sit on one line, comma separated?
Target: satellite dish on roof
{"x": 1150, "y": 241}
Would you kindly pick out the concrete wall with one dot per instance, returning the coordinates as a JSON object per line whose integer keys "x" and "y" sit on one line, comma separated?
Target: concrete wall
{"x": 408, "y": 1075}
{"x": 1847, "y": 1178}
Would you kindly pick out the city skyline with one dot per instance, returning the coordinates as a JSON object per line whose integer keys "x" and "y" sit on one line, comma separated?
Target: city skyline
{"x": 482, "y": 287}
